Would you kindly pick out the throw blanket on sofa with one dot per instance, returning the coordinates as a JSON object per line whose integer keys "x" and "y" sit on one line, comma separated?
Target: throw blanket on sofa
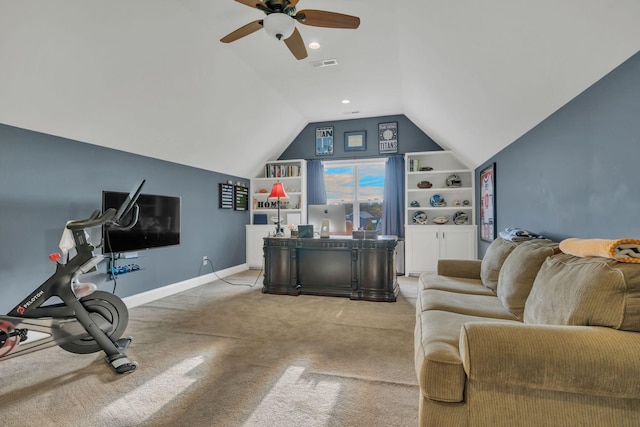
{"x": 514, "y": 234}
{"x": 623, "y": 250}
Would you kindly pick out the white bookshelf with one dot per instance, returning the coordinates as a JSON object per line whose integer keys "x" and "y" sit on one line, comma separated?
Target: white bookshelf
{"x": 427, "y": 241}
{"x": 293, "y": 176}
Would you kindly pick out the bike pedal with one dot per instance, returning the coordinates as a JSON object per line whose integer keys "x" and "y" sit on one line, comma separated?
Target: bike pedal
{"x": 123, "y": 343}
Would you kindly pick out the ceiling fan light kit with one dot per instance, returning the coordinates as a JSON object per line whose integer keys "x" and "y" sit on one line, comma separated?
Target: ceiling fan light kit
{"x": 279, "y": 25}
{"x": 281, "y": 20}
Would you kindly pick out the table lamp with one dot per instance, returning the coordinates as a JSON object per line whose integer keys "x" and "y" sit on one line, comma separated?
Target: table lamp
{"x": 277, "y": 192}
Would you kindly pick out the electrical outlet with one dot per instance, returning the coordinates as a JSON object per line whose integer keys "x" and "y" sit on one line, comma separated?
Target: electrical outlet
{"x": 205, "y": 260}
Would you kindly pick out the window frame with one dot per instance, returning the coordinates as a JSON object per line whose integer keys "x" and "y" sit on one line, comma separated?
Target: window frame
{"x": 356, "y": 163}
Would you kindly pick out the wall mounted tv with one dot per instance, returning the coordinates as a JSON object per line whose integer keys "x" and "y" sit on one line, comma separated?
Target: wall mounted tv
{"x": 158, "y": 223}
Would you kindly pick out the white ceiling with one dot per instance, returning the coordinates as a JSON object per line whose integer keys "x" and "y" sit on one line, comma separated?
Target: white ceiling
{"x": 151, "y": 77}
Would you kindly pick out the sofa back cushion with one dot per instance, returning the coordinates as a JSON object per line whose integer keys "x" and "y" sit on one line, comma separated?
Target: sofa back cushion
{"x": 496, "y": 254}
{"x": 519, "y": 271}
{"x": 594, "y": 291}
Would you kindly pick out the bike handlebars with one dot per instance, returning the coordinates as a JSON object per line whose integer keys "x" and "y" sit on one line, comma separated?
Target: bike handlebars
{"x": 111, "y": 217}
{"x": 93, "y": 221}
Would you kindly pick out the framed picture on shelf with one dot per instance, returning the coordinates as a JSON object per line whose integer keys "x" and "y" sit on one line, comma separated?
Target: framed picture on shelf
{"x": 355, "y": 141}
{"x": 488, "y": 203}
{"x": 324, "y": 141}
{"x": 388, "y": 137}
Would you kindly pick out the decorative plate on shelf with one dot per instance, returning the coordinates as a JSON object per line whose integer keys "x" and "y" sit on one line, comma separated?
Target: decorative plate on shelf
{"x": 440, "y": 220}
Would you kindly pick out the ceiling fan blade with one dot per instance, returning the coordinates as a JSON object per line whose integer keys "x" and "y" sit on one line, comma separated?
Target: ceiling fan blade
{"x": 245, "y": 30}
{"x": 321, "y": 18}
{"x": 254, "y": 3}
{"x": 296, "y": 45}
{"x": 293, "y": 3}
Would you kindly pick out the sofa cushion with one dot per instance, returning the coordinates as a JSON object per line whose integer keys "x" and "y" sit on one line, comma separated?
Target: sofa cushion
{"x": 461, "y": 285}
{"x": 464, "y": 268}
{"x": 585, "y": 291}
{"x": 519, "y": 271}
{"x": 437, "y": 357}
{"x": 496, "y": 254}
{"x": 472, "y": 305}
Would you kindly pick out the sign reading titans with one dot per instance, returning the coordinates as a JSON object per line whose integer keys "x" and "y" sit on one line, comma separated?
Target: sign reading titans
{"x": 388, "y": 137}
{"x": 324, "y": 141}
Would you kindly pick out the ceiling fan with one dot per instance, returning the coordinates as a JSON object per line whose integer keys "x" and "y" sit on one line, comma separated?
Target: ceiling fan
{"x": 281, "y": 19}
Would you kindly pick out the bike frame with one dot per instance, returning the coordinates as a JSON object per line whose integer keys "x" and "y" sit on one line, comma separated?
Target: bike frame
{"x": 63, "y": 322}
{"x": 69, "y": 320}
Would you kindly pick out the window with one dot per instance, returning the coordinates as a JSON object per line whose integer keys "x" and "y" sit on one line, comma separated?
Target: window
{"x": 359, "y": 186}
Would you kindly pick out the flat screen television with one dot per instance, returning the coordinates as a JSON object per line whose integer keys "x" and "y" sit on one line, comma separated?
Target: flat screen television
{"x": 334, "y": 213}
{"x": 158, "y": 223}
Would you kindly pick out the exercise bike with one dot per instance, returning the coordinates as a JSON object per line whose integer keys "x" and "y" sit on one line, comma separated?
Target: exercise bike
{"x": 87, "y": 320}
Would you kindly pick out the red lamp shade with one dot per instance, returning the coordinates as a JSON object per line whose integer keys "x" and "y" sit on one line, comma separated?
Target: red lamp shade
{"x": 277, "y": 192}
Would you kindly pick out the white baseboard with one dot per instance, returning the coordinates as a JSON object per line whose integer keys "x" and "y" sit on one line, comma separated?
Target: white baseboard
{"x": 165, "y": 291}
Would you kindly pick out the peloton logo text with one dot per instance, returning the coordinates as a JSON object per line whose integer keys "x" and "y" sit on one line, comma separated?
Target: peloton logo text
{"x": 22, "y": 308}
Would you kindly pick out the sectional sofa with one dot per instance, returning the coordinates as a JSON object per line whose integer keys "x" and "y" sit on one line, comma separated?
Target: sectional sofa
{"x": 529, "y": 336}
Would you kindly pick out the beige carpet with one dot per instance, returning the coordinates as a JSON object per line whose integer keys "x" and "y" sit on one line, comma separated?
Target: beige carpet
{"x": 229, "y": 355}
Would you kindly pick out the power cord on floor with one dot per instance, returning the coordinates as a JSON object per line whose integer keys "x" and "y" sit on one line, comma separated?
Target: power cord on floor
{"x": 213, "y": 270}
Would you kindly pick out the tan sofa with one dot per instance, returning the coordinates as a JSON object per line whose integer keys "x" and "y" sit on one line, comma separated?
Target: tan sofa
{"x": 529, "y": 336}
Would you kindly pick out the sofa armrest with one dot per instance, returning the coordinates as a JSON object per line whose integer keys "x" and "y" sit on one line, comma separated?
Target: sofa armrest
{"x": 465, "y": 268}
{"x": 574, "y": 359}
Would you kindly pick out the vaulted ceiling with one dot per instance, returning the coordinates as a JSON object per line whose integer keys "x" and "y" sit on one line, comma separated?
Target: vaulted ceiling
{"x": 151, "y": 76}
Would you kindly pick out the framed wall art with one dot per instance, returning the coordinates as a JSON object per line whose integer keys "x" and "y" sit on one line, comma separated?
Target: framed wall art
{"x": 488, "y": 203}
{"x": 355, "y": 141}
{"x": 388, "y": 137}
{"x": 241, "y": 198}
{"x": 225, "y": 201}
{"x": 324, "y": 141}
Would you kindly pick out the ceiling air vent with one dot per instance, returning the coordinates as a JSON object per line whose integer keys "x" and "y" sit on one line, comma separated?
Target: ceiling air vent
{"x": 324, "y": 63}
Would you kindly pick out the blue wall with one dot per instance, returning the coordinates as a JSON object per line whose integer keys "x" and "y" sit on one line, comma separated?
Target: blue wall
{"x": 46, "y": 180}
{"x": 410, "y": 139}
{"x": 576, "y": 173}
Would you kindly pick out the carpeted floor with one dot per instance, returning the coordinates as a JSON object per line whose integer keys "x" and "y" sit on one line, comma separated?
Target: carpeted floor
{"x": 229, "y": 355}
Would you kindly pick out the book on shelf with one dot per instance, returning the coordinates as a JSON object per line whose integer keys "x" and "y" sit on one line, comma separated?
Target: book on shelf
{"x": 281, "y": 171}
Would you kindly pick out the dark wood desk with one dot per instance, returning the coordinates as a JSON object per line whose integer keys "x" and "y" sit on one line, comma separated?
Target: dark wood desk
{"x": 338, "y": 266}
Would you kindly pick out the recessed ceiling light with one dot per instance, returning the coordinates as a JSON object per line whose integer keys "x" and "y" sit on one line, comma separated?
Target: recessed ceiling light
{"x": 345, "y": 101}
{"x": 314, "y": 45}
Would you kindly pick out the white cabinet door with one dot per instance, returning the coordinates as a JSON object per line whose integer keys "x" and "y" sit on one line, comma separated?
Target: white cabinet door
{"x": 424, "y": 245}
{"x": 421, "y": 249}
{"x": 457, "y": 242}
{"x": 255, "y": 242}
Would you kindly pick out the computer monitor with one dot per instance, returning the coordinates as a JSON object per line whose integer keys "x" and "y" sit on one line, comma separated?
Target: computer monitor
{"x": 336, "y": 215}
